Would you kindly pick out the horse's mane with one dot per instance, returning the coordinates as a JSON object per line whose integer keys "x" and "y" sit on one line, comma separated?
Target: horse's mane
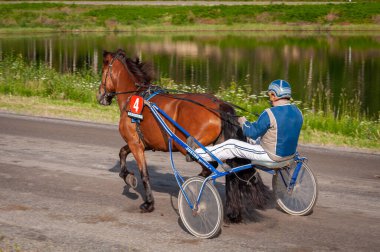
{"x": 142, "y": 71}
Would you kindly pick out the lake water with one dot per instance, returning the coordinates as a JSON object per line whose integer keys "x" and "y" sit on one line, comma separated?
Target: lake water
{"x": 325, "y": 70}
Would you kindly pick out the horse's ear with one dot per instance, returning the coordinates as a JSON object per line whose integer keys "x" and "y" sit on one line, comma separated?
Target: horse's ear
{"x": 121, "y": 52}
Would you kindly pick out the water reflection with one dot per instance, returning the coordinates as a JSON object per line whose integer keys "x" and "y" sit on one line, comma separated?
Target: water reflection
{"x": 325, "y": 70}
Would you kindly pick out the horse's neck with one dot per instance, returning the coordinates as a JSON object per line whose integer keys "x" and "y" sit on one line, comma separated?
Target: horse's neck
{"x": 126, "y": 85}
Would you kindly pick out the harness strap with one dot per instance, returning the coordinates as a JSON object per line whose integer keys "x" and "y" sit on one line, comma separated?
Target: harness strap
{"x": 248, "y": 181}
{"x": 140, "y": 134}
{"x": 159, "y": 90}
{"x": 152, "y": 91}
{"x": 154, "y": 94}
{"x": 216, "y": 111}
{"x": 136, "y": 121}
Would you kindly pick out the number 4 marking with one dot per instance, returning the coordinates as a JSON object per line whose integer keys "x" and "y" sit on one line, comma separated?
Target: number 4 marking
{"x": 136, "y": 105}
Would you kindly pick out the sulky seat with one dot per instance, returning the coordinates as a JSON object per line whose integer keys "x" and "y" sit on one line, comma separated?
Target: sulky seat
{"x": 273, "y": 165}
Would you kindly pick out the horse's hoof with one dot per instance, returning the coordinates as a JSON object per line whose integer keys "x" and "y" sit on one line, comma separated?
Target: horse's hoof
{"x": 233, "y": 218}
{"x": 122, "y": 175}
{"x": 131, "y": 180}
{"x": 205, "y": 173}
{"x": 147, "y": 207}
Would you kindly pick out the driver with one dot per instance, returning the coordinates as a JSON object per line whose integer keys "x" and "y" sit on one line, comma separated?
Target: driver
{"x": 274, "y": 135}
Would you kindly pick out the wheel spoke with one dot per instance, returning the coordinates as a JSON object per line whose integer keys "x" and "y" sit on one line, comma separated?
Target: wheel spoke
{"x": 304, "y": 193}
{"x": 206, "y": 223}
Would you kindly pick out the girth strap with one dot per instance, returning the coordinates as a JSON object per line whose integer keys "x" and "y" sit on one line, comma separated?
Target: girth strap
{"x": 139, "y": 133}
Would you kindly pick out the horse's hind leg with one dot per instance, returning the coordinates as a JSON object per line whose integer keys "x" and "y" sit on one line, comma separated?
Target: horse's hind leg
{"x": 234, "y": 192}
{"x": 205, "y": 171}
{"x": 233, "y": 200}
{"x": 248, "y": 188}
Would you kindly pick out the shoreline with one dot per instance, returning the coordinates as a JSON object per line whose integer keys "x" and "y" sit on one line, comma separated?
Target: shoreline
{"x": 181, "y": 3}
{"x": 95, "y": 113}
{"x": 269, "y": 28}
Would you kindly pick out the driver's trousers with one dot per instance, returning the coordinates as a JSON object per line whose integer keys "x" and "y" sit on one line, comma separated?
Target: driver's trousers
{"x": 234, "y": 148}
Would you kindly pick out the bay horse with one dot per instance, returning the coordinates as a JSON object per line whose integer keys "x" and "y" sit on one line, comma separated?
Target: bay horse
{"x": 207, "y": 118}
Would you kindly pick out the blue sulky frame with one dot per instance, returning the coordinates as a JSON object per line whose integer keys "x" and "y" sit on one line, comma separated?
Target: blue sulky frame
{"x": 157, "y": 112}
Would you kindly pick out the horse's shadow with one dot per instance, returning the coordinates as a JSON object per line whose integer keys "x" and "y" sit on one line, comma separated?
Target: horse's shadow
{"x": 160, "y": 182}
{"x": 165, "y": 182}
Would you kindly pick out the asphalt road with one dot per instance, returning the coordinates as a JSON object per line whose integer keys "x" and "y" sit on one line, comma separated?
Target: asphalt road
{"x": 60, "y": 191}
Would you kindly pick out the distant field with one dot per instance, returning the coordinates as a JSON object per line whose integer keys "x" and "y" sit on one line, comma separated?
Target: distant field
{"x": 63, "y": 17}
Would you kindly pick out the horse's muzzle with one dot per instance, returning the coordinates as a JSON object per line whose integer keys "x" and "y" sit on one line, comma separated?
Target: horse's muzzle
{"x": 104, "y": 99}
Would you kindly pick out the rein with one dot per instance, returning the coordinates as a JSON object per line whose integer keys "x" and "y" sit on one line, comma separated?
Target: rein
{"x": 216, "y": 110}
{"x": 121, "y": 58}
{"x": 208, "y": 108}
{"x": 199, "y": 104}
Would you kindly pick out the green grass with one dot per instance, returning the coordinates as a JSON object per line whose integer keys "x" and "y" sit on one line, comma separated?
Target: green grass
{"x": 20, "y": 78}
{"x": 16, "y": 17}
{"x": 69, "y": 109}
{"x": 37, "y": 89}
{"x": 352, "y": 127}
{"x": 274, "y": 1}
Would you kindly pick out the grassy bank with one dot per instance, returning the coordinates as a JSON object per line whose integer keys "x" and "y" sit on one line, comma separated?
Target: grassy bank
{"x": 60, "y": 17}
{"x": 321, "y": 127}
{"x": 37, "y": 89}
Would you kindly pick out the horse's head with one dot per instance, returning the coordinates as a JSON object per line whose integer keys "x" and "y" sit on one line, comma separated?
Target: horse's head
{"x": 132, "y": 74}
{"x": 106, "y": 88}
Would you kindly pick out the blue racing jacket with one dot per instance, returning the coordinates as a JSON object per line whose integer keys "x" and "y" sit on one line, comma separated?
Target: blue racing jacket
{"x": 279, "y": 128}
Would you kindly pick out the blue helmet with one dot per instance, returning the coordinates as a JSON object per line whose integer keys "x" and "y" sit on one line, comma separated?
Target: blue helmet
{"x": 280, "y": 88}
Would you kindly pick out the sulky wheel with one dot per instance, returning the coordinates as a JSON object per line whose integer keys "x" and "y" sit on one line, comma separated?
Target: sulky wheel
{"x": 205, "y": 221}
{"x": 301, "y": 200}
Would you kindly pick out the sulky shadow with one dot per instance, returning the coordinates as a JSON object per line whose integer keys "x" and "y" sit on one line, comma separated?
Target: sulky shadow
{"x": 165, "y": 182}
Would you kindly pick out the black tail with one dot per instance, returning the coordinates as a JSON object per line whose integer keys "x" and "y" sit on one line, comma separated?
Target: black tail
{"x": 244, "y": 189}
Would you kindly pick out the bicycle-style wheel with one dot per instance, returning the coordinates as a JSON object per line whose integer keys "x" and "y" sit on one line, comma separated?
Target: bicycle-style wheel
{"x": 206, "y": 220}
{"x": 301, "y": 200}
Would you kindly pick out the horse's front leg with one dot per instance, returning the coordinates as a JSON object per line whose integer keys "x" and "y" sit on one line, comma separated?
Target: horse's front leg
{"x": 124, "y": 151}
{"x": 138, "y": 152}
{"x": 128, "y": 177}
{"x": 148, "y": 205}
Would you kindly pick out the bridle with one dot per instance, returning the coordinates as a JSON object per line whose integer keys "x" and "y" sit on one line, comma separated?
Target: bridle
{"x": 111, "y": 95}
{"x": 104, "y": 83}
